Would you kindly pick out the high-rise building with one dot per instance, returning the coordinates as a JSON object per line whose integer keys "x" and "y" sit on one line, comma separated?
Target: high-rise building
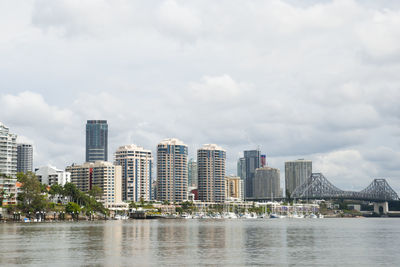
{"x": 50, "y": 175}
{"x": 172, "y": 170}
{"x": 211, "y": 173}
{"x": 24, "y": 158}
{"x": 263, "y": 160}
{"x": 8, "y": 152}
{"x": 192, "y": 173}
{"x": 136, "y": 165}
{"x": 252, "y": 162}
{"x": 100, "y": 173}
{"x": 267, "y": 183}
{"x": 233, "y": 188}
{"x": 96, "y": 140}
{"x": 296, "y": 173}
{"x": 241, "y": 169}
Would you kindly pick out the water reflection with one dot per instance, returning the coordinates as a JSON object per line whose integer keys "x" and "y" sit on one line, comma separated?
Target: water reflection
{"x": 202, "y": 242}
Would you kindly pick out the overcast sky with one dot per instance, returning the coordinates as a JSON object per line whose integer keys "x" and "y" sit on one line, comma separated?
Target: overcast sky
{"x": 300, "y": 79}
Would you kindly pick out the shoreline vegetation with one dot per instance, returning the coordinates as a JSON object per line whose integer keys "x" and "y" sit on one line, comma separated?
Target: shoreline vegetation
{"x": 37, "y": 202}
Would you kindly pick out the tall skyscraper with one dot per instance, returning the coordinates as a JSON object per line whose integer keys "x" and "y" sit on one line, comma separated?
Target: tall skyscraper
{"x": 267, "y": 183}
{"x": 136, "y": 165}
{"x": 172, "y": 170}
{"x": 211, "y": 173}
{"x": 252, "y": 162}
{"x": 296, "y": 173}
{"x": 192, "y": 173}
{"x": 8, "y": 152}
{"x": 24, "y": 158}
{"x": 100, "y": 173}
{"x": 241, "y": 168}
{"x": 96, "y": 140}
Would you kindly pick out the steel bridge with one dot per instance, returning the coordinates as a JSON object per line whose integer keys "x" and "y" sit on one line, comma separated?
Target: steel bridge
{"x": 318, "y": 187}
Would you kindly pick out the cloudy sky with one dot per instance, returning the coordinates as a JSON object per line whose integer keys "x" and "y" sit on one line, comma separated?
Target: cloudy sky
{"x": 299, "y": 79}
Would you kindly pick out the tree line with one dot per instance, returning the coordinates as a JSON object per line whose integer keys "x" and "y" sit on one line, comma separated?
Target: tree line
{"x": 35, "y": 197}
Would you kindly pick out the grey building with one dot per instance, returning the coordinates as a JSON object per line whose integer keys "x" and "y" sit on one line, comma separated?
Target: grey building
{"x": 296, "y": 173}
{"x": 252, "y": 162}
{"x": 267, "y": 183}
{"x": 192, "y": 173}
{"x": 241, "y": 169}
{"x": 24, "y": 158}
{"x": 96, "y": 140}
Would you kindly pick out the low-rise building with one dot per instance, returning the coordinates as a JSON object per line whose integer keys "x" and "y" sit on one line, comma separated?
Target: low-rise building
{"x": 8, "y": 190}
{"x": 50, "y": 175}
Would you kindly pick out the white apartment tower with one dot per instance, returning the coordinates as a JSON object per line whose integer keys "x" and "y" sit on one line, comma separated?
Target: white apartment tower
{"x": 8, "y": 152}
{"x": 172, "y": 171}
{"x": 211, "y": 173}
{"x": 136, "y": 163}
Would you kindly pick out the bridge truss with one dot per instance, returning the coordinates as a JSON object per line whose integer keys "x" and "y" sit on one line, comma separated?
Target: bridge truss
{"x": 319, "y": 187}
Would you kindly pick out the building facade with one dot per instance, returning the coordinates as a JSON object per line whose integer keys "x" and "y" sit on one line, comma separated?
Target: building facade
{"x": 241, "y": 169}
{"x": 252, "y": 162}
{"x": 267, "y": 183}
{"x": 24, "y": 158}
{"x": 296, "y": 173}
{"x": 9, "y": 187}
{"x": 103, "y": 174}
{"x": 263, "y": 160}
{"x": 136, "y": 163}
{"x": 96, "y": 140}
{"x": 192, "y": 173}
{"x": 211, "y": 173}
{"x": 50, "y": 175}
{"x": 172, "y": 171}
{"x": 233, "y": 188}
{"x": 8, "y": 152}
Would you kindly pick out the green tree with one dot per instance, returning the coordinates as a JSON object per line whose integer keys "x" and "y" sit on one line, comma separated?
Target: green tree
{"x": 71, "y": 191}
{"x": 96, "y": 192}
{"x": 31, "y": 197}
{"x": 3, "y": 195}
{"x": 72, "y": 207}
{"x": 56, "y": 189}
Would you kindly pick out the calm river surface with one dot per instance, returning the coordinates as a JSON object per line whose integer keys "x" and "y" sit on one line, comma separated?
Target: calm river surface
{"x": 306, "y": 242}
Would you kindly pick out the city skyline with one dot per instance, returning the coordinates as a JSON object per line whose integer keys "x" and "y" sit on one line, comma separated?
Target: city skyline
{"x": 319, "y": 84}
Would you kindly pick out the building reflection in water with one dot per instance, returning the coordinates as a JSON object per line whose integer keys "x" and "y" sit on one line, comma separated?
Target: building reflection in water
{"x": 211, "y": 242}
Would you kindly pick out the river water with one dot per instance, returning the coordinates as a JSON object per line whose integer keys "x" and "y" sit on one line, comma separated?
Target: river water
{"x": 276, "y": 242}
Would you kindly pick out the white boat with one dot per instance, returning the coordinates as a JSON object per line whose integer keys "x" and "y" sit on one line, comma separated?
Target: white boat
{"x": 313, "y": 216}
{"x": 186, "y": 216}
{"x": 297, "y": 216}
{"x": 230, "y": 215}
{"x": 249, "y": 216}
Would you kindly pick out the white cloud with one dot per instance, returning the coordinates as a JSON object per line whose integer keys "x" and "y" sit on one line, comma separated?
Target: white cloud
{"x": 315, "y": 79}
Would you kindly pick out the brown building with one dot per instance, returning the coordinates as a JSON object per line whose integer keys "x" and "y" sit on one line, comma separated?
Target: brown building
{"x": 211, "y": 173}
{"x": 233, "y": 187}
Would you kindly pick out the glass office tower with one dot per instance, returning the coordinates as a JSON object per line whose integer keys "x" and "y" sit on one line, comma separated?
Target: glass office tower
{"x": 96, "y": 140}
